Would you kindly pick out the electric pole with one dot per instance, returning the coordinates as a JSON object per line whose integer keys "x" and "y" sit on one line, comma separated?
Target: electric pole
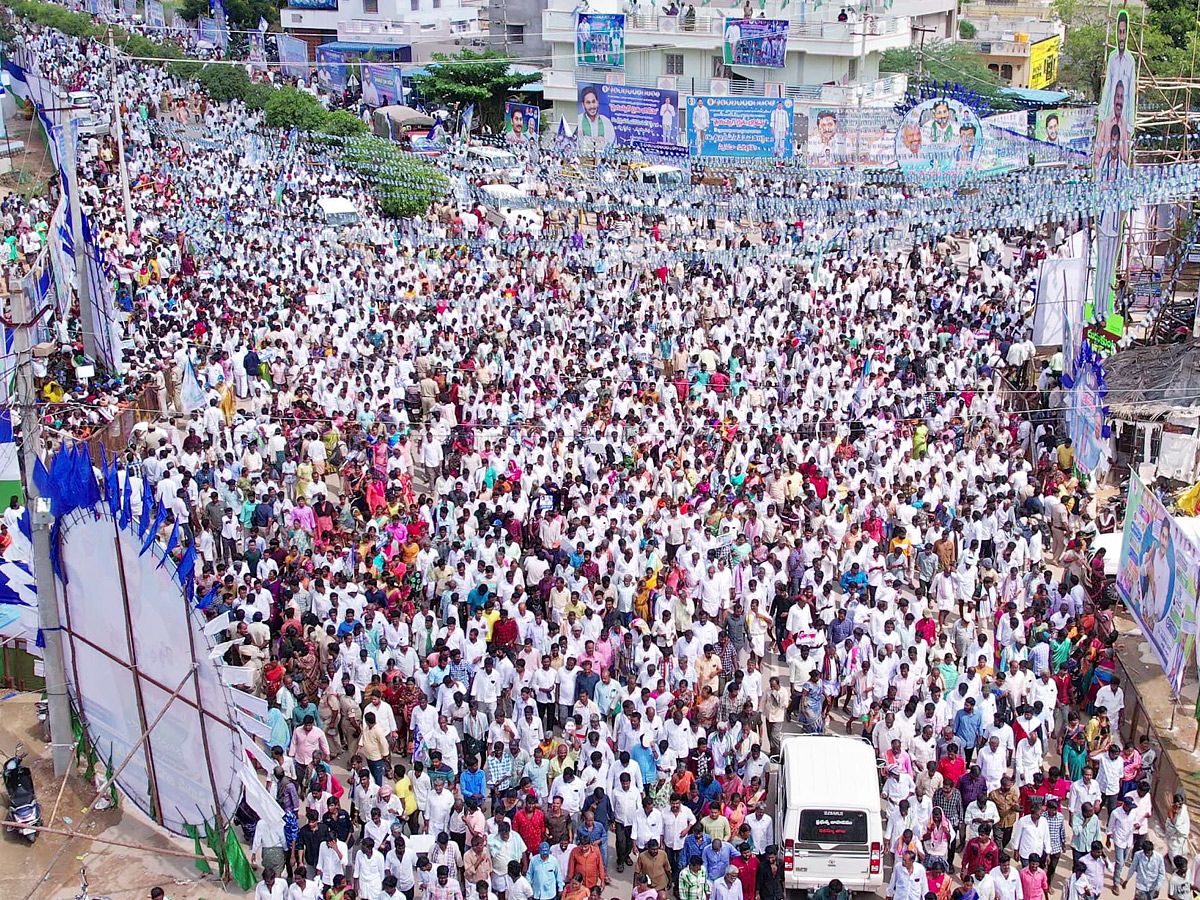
{"x": 62, "y": 742}
{"x": 921, "y": 51}
{"x": 120, "y": 127}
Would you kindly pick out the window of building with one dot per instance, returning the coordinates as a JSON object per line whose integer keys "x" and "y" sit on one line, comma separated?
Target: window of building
{"x": 994, "y": 67}
{"x": 1006, "y": 72}
{"x": 674, "y": 64}
{"x": 371, "y": 7}
{"x": 515, "y": 33}
{"x": 719, "y": 69}
{"x": 414, "y": 5}
{"x": 853, "y": 70}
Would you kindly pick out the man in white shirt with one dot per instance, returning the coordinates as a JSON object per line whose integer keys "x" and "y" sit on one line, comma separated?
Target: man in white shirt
{"x": 1032, "y": 836}
{"x": 1006, "y": 880}
{"x": 908, "y": 880}
{"x": 1112, "y": 698}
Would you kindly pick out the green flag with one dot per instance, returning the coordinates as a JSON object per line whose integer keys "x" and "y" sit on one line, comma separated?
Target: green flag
{"x": 112, "y": 785}
{"x": 212, "y": 837}
{"x": 201, "y": 864}
{"x": 239, "y": 866}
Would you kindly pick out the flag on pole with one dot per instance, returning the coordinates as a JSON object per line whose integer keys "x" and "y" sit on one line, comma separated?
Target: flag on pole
{"x": 468, "y": 119}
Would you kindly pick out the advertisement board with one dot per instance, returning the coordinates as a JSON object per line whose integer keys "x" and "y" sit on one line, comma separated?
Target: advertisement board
{"x": 331, "y": 68}
{"x": 1005, "y": 143}
{"x": 206, "y": 31}
{"x": 1112, "y": 153}
{"x": 600, "y": 40}
{"x": 756, "y": 42}
{"x": 847, "y": 135}
{"x": 381, "y": 85}
{"x": 313, "y": 4}
{"x": 156, "y": 16}
{"x": 1073, "y": 127}
{"x": 1156, "y": 577}
{"x": 616, "y": 114}
{"x": 740, "y": 127}
{"x": 293, "y": 56}
{"x": 1043, "y": 62}
{"x": 939, "y": 137}
{"x": 521, "y": 123}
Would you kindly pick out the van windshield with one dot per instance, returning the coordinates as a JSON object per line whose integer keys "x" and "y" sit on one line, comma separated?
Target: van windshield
{"x": 833, "y": 826}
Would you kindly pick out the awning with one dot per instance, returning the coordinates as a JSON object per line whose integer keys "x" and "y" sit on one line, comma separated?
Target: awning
{"x": 1035, "y": 97}
{"x": 356, "y": 47}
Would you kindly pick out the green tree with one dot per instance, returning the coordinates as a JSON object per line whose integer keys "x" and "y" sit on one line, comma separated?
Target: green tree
{"x": 258, "y": 94}
{"x": 343, "y": 123}
{"x": 406, "y": 184}
{"x": 948, "y": 61}
{"x": 470, "y": 77}
{"x": 966, "y": 30}
{"x": 291, "y": 108}
{"x": 225, "y": 83}
{"x": 1081, "y": 67}
{"x": 242, "y": 13}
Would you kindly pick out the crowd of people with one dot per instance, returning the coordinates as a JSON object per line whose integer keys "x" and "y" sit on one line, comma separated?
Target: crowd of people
{"x": 537, "y": 552}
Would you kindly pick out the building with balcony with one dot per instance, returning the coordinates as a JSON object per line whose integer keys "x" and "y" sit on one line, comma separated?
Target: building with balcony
{"x": 1019, "y": 41}
{"x": 832, "y": 56}
{"x": 424, "y": 25}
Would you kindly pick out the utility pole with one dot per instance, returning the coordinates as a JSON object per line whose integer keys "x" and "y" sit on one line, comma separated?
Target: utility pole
{"x": 71, "y": 166}
{"x": 62, "y": 741}
{"x": 921, "y": 51}
{"x": 120, "y": 126}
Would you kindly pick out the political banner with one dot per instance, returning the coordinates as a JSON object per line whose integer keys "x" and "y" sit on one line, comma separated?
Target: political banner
{"x": 939, "y": 137}
{"x": 1112, "y": 151}
{"x": 331, "y": 68}
{"x": 258, "y": 49}
{"x": 615, "y": 114}
{"x": 381, "y": 85}
{"x": 312, "y": 4}
{"x": 740, "y": 127}
{"x": 1005, "y": 143}
{"x": 1072, "y": 127}
{"x": 206, "y": 31}
{"x": 1043, "y": 62}
{"x": 843, "y": 136}
{"x": 221, "y": 17}
{"x": 128, "y": 9}
{"x": 521, "y": 123}
{"x": 1085, "y": 414}
{"x": 1156, "y": 577}
{"x": 600, "y": 40}
{"x": 156, "y": 16}
{"x": 756, "y": 42}
{"x": 293, "y": 56}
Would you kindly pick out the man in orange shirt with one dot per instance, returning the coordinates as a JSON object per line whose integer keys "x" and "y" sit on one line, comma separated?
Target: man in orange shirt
{"x": 587, "y": 862}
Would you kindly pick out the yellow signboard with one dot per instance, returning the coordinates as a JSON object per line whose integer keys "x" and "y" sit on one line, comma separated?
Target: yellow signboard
{"x": 1043, "y": 62}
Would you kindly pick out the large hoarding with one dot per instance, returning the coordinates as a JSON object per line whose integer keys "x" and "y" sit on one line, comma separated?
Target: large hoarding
{"x": 1070, "y": 127}
{"x": 1156, "y": 577}
{"x": 521, "y": 123}
{"x": 381, "y": 85}
{"x": 293, "y": 56}
{"x": 756, "y": 42}
{"x": 846, "y": 135}
{"x": 331, "y": 68}
{"x": 940, "y": 137}
{"x": 600, "y": 40}
{"x": 1043, "y": 62}
{"x": 740, "y": 127}
{"x": 1112, "y": 152}
{"x": 614, "y": 114}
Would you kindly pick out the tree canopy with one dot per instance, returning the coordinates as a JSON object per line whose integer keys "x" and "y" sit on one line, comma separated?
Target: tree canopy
{"x": 473, "y": 77}
{"x": 948, "y": 61}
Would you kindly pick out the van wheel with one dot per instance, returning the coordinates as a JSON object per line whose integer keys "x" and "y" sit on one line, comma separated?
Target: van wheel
{"x": 795, "y": 894}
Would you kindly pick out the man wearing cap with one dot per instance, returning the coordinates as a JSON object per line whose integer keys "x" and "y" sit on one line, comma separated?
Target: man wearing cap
{"x": 1119, "y": 836}
{"x": 544, "y": 874}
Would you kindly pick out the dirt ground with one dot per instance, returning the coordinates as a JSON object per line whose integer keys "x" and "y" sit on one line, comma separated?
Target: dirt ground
{"x": 50, "y": 868}
{"x": 32, "y": 165}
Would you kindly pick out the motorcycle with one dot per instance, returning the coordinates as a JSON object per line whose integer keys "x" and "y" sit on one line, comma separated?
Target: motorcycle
{"x": 43, "y": 714}
{"x": 23, "y": 808}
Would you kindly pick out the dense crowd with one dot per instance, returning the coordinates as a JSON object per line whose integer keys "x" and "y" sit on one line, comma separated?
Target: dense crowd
{"x": 537, "y": 549}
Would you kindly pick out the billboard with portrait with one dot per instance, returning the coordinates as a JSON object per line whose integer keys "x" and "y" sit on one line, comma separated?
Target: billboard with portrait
{"x": 1112, "y": 152}
{"x": 756, "y": 42}
{"x": 600, "y": 40}
{"x": 619, "y": 115}
{"x": 331, "y": 68}
{"x": 206, "y": 31}
{"x": 740, "y": 127}
{"x": 293, "y": 56}
{"x": 521, "y": 123}
{"x": 156, "y": 16}
{"x": 1071, "y": 127}
{"x": 1156, "y": 577}
{"x": 847, "y": 135}
{"x": 939, "y": 137}
{"x": 381, "y": 85}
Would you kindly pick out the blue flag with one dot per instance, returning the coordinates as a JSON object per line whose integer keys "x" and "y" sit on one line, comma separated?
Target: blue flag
{"x": 210, "y": 598}
{"x": 172, "y": 543}
{"x": 147, "y": 505}
{"x": 126, "y": 501}
{"x": 187, "y": 568}
{"x": 160, "y": 516}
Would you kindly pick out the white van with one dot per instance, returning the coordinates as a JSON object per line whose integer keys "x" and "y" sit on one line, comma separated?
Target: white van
{"x": 337, "y": 211}
{"x": 828, "y": 813}
{"x": 511, "y": 208}
{"x": 664, "y": 176}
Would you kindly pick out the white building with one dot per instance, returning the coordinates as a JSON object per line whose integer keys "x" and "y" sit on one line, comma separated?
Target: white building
{"x": 424, "y": 25}
{"x": 828, "y": 62}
